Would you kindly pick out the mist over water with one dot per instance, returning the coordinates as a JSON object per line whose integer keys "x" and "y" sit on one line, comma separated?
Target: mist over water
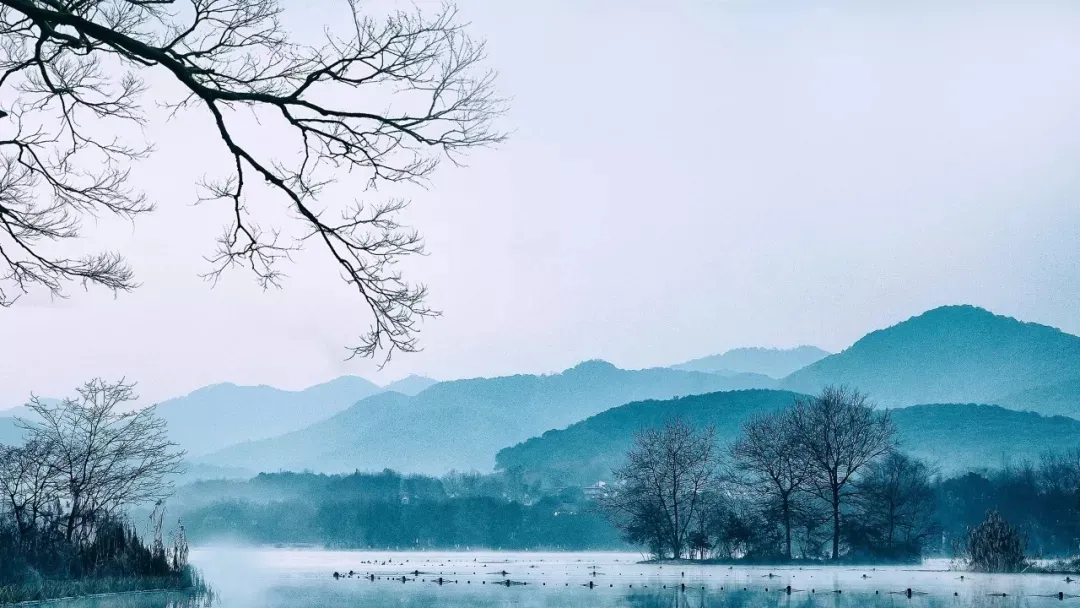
{"x": 254, "y": 577}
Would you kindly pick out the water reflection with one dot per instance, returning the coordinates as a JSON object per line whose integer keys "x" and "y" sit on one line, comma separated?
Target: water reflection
{"x": 283, "y": 578}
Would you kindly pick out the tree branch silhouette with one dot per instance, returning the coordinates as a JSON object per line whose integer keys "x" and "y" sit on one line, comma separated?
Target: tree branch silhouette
{"x": 67, "y": 64}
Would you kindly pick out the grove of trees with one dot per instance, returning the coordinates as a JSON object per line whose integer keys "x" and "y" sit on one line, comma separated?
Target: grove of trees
{"x": 821, "y": 478}
{"x": 65, "y": 491}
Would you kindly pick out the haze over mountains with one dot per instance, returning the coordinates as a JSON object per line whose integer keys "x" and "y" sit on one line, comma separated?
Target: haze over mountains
{"x": 462, "y": 424}
{"x": 221, "y": 415}
{"x": 951, "y": 355}
{"x": 773, "y": 362}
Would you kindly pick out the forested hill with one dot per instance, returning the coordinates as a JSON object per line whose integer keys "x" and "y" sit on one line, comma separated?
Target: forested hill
{"x": 589, "y": 450}
{"x": 952, "y": 354}
{"x": 462, "y": 424}
{"x": 954, "y": 437}
{"x": 1062, "y": 399}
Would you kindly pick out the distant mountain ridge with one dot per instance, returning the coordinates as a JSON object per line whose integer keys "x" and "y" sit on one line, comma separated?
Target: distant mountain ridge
{"x": 410, "y": 385}
{"x": 1062, "y": 399}
{"x": 952, "y": 354}
{"x": 220, "y": 415}
{"x": 773, "y": 362}
{"x": 463, "y": 423}
{"x": 954, "y": 437}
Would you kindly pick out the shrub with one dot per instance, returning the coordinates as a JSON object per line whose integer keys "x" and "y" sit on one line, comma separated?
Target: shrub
{"x": 995, "y": 546}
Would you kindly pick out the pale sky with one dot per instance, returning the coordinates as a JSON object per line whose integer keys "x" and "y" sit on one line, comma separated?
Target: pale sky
{"x": 683, "y": 178}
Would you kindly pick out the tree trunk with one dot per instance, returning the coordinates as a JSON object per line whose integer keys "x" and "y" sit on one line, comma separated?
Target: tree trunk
{"x": 676, "y": 548}
{"x": 836, "y": 523}
{"x": 892, "y": 525}
{"x": 787, "y": 526}
{"x": 72, "y": 517}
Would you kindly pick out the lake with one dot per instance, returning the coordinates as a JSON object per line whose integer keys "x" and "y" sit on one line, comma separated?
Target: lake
{"x": 248, "y": 578}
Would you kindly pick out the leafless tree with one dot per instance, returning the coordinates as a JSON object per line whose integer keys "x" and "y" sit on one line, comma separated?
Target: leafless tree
{"x": 665, "y": 486}
{"x": 73, "y": 73}
{"x": 27, "y": 477}
{"x": 895, "y": 503}
{"x": 102, "y": 458}
{"x": 772, "y": 465}
{"x": 1059, "y": 472}
{"x": 840, "y": 432}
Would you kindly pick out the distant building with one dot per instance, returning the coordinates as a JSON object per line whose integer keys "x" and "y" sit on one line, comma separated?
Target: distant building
{"x": 596, "y": 490}
{"x": 565, "y": 509}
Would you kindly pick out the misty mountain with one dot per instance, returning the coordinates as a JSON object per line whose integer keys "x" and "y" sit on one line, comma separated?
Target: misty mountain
{"x": 954, "y": 437}
{"x": 410, "y": 385}
{"x": 9, "y": 433}
{"x": 952, "y": 354}
{"x": 462, "y": 423}
{"x": 224, "y": 414}
{"x": 962, "y": 437}
{"x": 773, "y": 362}
{"x": 1061, "y": 399}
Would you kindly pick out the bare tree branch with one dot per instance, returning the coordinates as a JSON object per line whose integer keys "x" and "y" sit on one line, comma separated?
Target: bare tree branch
{"x": 70, "y": 63}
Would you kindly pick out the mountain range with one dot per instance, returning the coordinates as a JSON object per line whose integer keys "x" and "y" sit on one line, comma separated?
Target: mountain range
{"x": 773, "y": 362}
{"x": 949, "y": 355}
{"x": 952, "y": 354}
{"x": 220, "y": 415}
{"x": 952, "y": 437}
{"x": 462, "y": 424}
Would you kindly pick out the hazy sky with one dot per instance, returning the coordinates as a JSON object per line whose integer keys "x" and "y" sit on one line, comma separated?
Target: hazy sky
{"x": 683, "y": 178}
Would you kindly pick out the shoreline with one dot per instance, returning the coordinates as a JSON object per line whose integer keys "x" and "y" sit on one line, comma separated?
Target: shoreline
{"x": 179, "y": 590}
{"x": 43, "y": 591}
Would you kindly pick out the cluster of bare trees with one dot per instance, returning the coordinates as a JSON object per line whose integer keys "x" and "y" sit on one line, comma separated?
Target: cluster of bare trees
{"x": 383, "y": 98}
{"x": 822, "y": 476}
{"x": 64, "y": 490}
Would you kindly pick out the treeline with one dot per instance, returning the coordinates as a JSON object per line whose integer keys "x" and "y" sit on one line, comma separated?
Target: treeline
{"x": 390, "y": 510}
{"x": 825, "y": 479}
{"x": 1041, "y": 499}
{"x": 65, "y": 491}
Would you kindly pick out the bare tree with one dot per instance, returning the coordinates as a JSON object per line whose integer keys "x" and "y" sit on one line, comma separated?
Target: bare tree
{"x": 895, "y": 505}
{"x": 840, "y": 432}
{"x": 772, "y": 464}
{"x": 72, "y": 74}
{"x": 102, "y": 458}
{"x": 666, "y": 484}
{"x": 27, "y": 477}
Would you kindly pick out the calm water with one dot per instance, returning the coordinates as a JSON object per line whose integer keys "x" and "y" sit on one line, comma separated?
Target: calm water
{"x": 248, "y": 578}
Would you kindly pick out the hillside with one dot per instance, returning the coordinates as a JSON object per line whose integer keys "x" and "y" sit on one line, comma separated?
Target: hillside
{"x": 1061, "y": 399}
{"x": 961, "y": 437}
{"x": 461, "y": 424}
{"x": 9, "y": 433}
{"x": 953, "y": 354}
{"x": 772, "y": 362}
{"x": 953, "y": 437}
{"x": 224, "y": 414}
{"x": 590, "y": 449}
